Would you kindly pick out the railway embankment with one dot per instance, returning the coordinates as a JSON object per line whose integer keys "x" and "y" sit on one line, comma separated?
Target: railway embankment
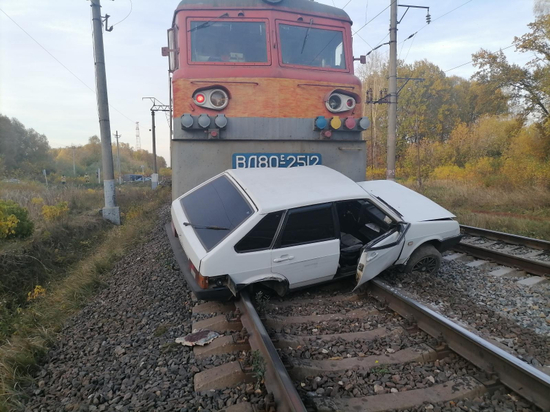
{"x": 119, "y": 352}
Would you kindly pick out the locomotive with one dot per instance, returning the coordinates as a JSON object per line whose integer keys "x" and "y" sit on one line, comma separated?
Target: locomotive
{"x": 263, "y": 83}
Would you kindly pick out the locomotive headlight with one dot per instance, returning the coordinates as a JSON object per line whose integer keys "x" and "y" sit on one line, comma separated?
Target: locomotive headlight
{"x": 216, "y": 99}
{"x": 335, "y": 102}
{"x": 219, "y": 99}
{"x": 338, "y": 102}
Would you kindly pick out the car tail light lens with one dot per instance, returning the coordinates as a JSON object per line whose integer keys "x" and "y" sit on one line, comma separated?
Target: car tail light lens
{"x": 216, "y": 99}
{"x": 202, "y": 281}
{"x": 338, "y": 102}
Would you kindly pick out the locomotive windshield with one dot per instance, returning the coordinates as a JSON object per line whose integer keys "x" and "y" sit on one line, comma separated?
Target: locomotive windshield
{"x": 228, "y": 41}
{"x": 308, "y": 46}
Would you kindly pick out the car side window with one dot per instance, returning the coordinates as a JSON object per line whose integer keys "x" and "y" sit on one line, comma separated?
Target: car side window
{"x": 261, "y": 236}
{"x": 307, "y": 225}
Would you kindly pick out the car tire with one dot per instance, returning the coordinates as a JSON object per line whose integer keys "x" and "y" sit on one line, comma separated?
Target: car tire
{"x": 426, "y": 259}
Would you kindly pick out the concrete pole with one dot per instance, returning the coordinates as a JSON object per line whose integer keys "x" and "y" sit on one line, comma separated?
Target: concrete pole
{"x": 74, "y": 164}
{"x": 118, "y": 157}
{"x": 392, "y": 107}
{"x": 155, "y": 176}
{"x": 111, "y": 211}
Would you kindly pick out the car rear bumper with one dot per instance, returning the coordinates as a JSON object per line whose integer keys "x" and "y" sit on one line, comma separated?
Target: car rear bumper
{"x": 221, "y": 293}
{"x": 449, "y": 243}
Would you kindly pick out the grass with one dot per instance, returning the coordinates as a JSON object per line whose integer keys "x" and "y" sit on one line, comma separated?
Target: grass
{"x": 37, "y": 324}
{"x": 524, "y": 211}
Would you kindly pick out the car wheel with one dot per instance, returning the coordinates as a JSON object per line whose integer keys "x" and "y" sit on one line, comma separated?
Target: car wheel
{"x": 426, "y": 259}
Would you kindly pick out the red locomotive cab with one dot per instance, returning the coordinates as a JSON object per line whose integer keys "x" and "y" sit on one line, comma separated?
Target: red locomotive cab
{"x": 259, "y": 76}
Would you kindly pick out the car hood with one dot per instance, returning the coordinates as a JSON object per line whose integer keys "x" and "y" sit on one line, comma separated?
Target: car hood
{"x": 412, "y": 206}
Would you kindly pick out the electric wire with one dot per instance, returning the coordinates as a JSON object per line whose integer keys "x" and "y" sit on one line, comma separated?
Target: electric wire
{"x": 59, "y": 62}
{"x": 346, "y": 5}
{"x": 471, "y": 61}
{"x": 437, "y": 18}
{"x": 128, "y": 15}
{"x": 368, "y": 22}
{"x": 408, "y": 51}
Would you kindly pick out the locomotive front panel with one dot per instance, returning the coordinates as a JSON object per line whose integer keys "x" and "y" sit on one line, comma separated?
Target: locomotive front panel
{"x": 263, "y": 85}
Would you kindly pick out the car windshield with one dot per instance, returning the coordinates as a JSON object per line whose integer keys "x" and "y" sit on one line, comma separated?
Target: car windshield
{"x": 308, "y": 46}
{"x": 217, "y": 204}
{"x": 228, "y": 41}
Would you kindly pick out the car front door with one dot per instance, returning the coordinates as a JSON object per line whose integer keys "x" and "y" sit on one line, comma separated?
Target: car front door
{"x": 381, "y": 253}
{"x": 307, "y": 248}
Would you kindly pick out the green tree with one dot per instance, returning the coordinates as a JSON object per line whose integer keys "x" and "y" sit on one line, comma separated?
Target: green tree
{"x": 24, "y": 151}
{"x": 529, "y": 86}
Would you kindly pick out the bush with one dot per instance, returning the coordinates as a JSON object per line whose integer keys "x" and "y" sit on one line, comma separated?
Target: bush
{"x": 14, "y": 221}
{"x": 56, "y": 212}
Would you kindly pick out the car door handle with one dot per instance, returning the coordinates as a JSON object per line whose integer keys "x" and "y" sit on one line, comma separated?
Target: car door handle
{"x": 283, "y": 258}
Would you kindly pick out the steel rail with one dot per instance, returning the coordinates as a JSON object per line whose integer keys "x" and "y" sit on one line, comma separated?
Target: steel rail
{"x": 531, "y": 266}
{"x": 517, "y": 375}
{"x": 276, "y": 377}
{"x": 506, "y": 237}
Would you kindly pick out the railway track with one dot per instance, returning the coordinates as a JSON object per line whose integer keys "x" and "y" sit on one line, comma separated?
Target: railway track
{"x": 529, "y": 255}
{"x": 376, "y": 352}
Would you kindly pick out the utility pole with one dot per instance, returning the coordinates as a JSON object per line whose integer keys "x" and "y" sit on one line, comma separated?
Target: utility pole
{"x": 392, "y": 107}
{"x": 74, "y": 164}
{"x": 111, "y": 212}
{"x": 393, "y": 92}
{"x": 157, "y": 107}
{"x": 138, "y": 138}
{"x": 117, "y": 136}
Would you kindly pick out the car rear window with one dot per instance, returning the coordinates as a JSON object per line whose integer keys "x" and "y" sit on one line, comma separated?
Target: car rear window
{"x": 219, "y": 206}
{"x": 261, "y": 236}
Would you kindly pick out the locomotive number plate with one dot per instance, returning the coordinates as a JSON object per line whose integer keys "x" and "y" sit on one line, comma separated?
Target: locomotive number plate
{"x": 263, "y": 160}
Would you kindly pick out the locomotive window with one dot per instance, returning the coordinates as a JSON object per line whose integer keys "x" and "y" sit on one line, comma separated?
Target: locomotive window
{"x": 307, "y": 46}
{"x": 228, "y": 41}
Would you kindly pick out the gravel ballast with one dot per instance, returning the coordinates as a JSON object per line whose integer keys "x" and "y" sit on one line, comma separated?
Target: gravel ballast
{"x": 119, "y": 353}
{"x": 496, "y": 308}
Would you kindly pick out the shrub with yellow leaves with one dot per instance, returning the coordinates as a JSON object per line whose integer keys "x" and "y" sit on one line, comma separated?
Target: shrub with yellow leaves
{"x": 56, "y": 212}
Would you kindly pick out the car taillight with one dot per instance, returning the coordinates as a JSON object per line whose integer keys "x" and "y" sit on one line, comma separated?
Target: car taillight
{"x": 202, "y": 281}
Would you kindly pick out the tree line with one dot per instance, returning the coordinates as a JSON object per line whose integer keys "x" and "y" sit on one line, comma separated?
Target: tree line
{"x": 493, "y": 128}
{"x": 25, "y": 154}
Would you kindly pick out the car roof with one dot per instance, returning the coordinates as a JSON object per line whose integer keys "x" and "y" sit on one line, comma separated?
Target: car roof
{"x": 273, "y": 189}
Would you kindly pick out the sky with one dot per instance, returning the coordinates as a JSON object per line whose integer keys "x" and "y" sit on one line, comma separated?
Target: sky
{"x": 47, "y": 76}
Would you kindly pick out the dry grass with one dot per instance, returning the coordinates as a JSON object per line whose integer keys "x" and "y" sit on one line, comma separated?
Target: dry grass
{"x": 38, "y": 324}
{"x": 518, "y": 211}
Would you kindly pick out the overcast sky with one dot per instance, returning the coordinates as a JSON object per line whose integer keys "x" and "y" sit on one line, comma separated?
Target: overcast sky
{"x": 45, "y": 96}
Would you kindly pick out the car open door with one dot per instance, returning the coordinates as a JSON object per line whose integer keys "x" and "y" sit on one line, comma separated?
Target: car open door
{"x": 380, "y": 254}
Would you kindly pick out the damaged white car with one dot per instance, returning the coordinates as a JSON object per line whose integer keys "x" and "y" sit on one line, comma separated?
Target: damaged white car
{"x": 297, "y": 227}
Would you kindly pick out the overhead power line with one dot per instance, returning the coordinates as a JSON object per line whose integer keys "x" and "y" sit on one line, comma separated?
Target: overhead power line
{"x": 471, "y": 61}
{"x": 60, "y": 62}
{"x": 368, "y": 22}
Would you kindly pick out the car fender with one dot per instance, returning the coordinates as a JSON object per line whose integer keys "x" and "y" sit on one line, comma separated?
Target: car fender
{"x": 415, "y": 238}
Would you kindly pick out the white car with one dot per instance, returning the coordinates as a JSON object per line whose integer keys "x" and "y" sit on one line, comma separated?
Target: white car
{"x": 296, "y": 227}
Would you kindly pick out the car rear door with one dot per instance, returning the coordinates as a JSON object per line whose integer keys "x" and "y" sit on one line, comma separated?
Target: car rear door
{"x": 381, "y": 253}
{"x": 307, "y": 249}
